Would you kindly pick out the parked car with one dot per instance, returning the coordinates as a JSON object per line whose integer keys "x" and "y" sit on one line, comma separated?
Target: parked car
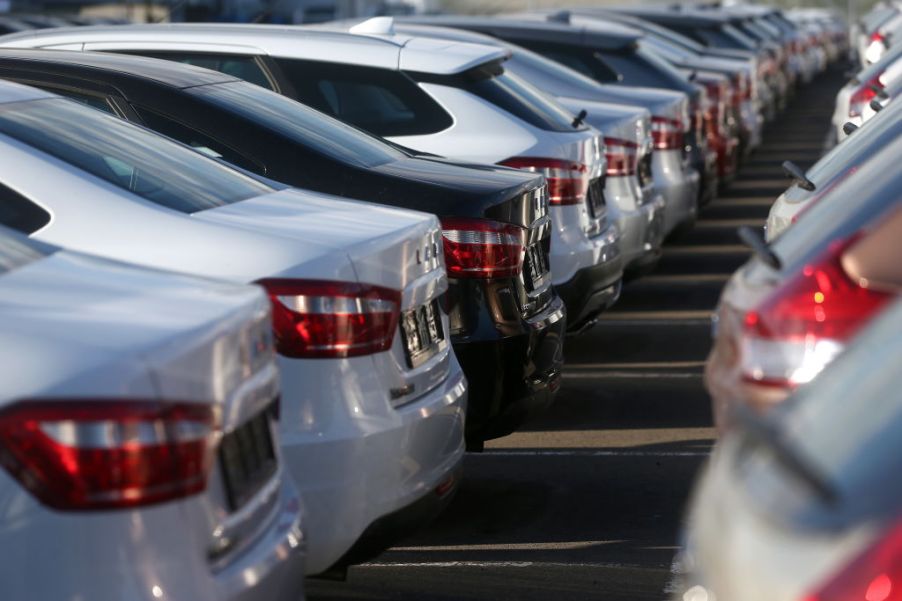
{"x": 610, "y": 56}
{"x": 631, "y": 186}
{"x": 792, "y": 308}
{"x": 453, "y": 101}
{"x": 689, "y": 56}
{"x": 506, "y": 321}
{"x": 868, "y": 29}
{"x": 853, "y": 101}
{"x": 842, "y": 161}
{"x": 124, "y": 421}
{"x": 805, "y": 504}
{"x": 373, "y": 399}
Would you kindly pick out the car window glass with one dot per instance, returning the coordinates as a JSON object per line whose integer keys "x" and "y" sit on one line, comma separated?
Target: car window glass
{"x": 92, "y": 100}
{"x": 299, "y": 122}
{"x": 586, "y": 63}
{"x": 536, "y": 68}
{"x": 510, "y": 93}
{"x": 125, "y": 155}
{"x": 19, "y": 213}
{"x": 669, "y": 51}
{"x": 241, "y": 67}
{"x": 196, "y": 139}
{"x": 380, "y": 101}
{"x": 644, "y": 68}
{"x": 744, "y": 40}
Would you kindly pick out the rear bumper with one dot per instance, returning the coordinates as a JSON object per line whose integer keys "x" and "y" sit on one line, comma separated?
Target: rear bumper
{"x": 591, "y": 291}
{"x": 678, "y": 185}
{"x": 357, "y": 458}
{"x": 515, "y": 376}
{"x": 639, "y": 214}
{"x": 394, "y": 527}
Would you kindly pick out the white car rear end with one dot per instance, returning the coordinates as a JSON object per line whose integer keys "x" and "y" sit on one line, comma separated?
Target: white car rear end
{"x": 123, "y": 435}
{"x": 373, "y": 398}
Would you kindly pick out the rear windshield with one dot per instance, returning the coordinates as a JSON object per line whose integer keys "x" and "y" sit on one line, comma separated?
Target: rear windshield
{"x": 510, "y": 93}
{"x": 303, "y": 124}
{"x": 17, "y": 250}
{"x": 645, "y": 68}
{"x": 383, "y": 102}
{"x": 534, "y": 67}
{"x": 125, "y": 155}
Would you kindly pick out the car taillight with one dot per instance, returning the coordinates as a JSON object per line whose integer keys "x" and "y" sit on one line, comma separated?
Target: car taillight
{"x": 874, "y": 575}
{"x": 87, "y": 454}
{"x": 666, "y": 133}
{"x": 864, "y": 94}
{"x": 805, "y": 322}
{"x": 482, "y": 248}
{"x": 315, "y": 319}
{"x": 568, "y": 181}
{"x": 622, "y": 156}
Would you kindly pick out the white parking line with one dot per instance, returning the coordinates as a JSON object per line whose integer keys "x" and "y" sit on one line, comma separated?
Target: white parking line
{"x": 494, "y": 453}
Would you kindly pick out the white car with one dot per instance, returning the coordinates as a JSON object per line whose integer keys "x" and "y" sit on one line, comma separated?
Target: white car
{"x": 806, "y": 504}
{"x": 853, "y": 101}
{"x": 363, "y": 433}
{"x": 445, "y": 98}
{"x": 127, "y": 401}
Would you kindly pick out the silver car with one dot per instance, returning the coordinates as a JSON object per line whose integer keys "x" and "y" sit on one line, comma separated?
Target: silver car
{"x": 137, "y": 436}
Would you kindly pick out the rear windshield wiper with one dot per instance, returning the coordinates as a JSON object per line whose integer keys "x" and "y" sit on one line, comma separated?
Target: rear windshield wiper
{"x": 768, "y": 433}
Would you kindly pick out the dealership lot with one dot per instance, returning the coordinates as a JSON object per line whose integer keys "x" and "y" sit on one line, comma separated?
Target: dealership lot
{"x": 587, "y": 501}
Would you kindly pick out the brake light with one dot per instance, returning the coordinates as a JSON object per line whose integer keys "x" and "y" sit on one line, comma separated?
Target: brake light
{"x": 875, "y": 575}
{"x": 321, "y": 319}
{"x": 568, "y": 181}
{"x": 106, "y": 454}
{"x": 878, "y": 37}
{"x": 666, "y": 133}
{"x": 622, "y": 156}
{"x": 805, "y": 322}
{"x": 864, "y": 94}
{"x": 481, "y": 248}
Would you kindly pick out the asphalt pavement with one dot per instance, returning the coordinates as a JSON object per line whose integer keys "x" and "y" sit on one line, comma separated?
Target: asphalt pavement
{"x": 586, "y": 502}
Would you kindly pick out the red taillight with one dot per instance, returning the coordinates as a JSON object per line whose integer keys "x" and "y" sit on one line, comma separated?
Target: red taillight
{"x": 622, "y": 156}
{"x": 864, "y": 94}
{"x": 875, "y": 575}
{"x": 105, "y": 454}
{"x": 481, "y": 248}
{"x": 568, "y": 181}
{"x": 320, "y": 319}
{"x": 878, "y": 37}
{"x": 805, "y": 322}
{"x": 666, "y": 133}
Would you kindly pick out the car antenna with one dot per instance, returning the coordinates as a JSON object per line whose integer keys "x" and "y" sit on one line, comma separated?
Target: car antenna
{"x": 849, "y": 128}
{"x": 875, "y": 104}
{"x": 752, "y": 238}
{"x": 580, "y": 117}
{"x": 798, "y": 176}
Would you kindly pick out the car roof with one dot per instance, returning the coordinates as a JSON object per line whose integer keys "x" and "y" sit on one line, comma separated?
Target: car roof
{"x": 609, "y": 36}
{"x": 372, "y": 43}
{"x": 15, "y": 92}
{"x": 165, "y": 72}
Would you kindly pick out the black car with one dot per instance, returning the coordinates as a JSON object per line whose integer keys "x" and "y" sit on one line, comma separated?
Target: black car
{"x": 606, "y": 53}
{"x": 507, "y": 322}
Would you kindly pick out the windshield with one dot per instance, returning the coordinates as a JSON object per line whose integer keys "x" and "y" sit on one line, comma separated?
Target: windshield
{"x": 299, "y": 122}
{"x": 130, "y": 157}
{"x": 510, "y": 93}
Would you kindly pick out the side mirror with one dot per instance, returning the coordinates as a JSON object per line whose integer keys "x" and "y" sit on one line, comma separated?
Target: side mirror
{"x": 849, "y": 128}
{"x": 798, "y": 176}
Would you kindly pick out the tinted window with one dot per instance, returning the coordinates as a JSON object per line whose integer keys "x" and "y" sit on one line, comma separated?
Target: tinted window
{"x": 645, "y": 68}
{"x": 718, "y": 39}
{"x": 130, "y": 157}
{"x": 17, "y": 251}
{"x": 94, "y": 101}
{"x": 669, "y": 51}
{"x": 537, "y": 68}
{"x": 299, "y": 122}
{"x": 584, "y": 61}
{"x": 195, "y": 139}
{"x": 510, "y": 93}
{"x": 19, "y": 213}
{"x": 383, "y": 102}
{"x": 242, "y": 67}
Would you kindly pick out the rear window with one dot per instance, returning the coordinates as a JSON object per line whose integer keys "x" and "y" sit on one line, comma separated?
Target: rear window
{"x": 645, "y": 68}
{"x": 577, "y": 58}
{"x": 130, "y": 157}
{"x": 510, "y": 93}
{"x": 381, "y": 101}
{"x": 302, "y": 123}
{"x": 17, "y": 251}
